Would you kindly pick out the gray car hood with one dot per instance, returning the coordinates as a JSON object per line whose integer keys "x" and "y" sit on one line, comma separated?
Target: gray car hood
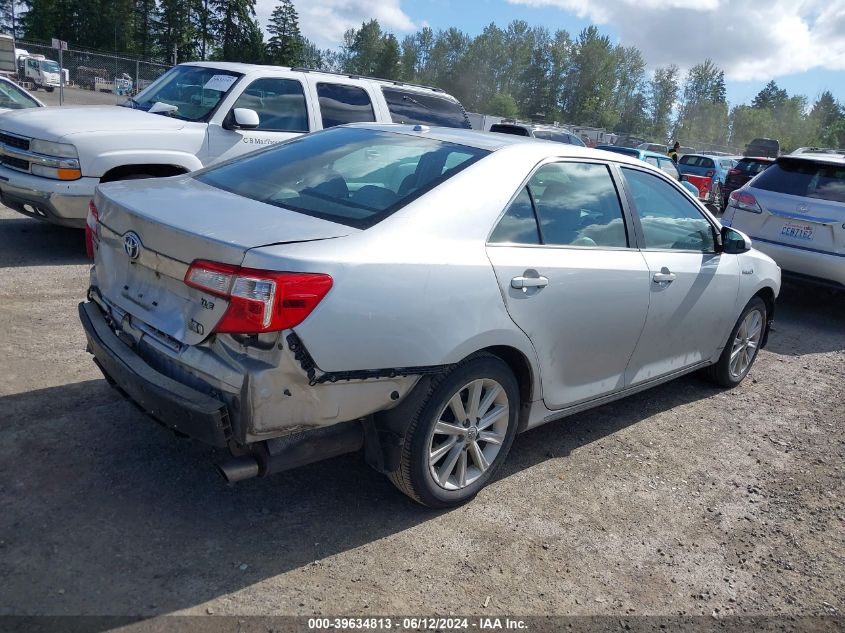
{"x": 53, "y": 124}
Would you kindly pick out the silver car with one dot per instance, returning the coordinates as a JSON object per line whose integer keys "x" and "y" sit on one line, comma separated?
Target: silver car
{"x": 795, "y": 211}
{"x": 423, "y": 294}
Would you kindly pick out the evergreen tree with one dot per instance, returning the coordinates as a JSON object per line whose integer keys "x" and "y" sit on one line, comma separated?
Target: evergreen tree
{"x": 234, "y": 27}
{"x": 390, "y": 64}
{"x": 286, "y": 44}
{"x": 663, "y": 92}
{"x": 770, "y": 98}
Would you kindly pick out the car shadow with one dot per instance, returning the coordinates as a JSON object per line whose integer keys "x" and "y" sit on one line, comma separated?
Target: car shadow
{"x": 30, "y": 242}
{"x": 107, "y": 512}
{"x": 808, "y": 320}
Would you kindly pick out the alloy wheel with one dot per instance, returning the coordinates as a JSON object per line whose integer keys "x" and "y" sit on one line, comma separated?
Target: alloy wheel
{"x": 468, "y": 434}
{"x": 746, "y": 343}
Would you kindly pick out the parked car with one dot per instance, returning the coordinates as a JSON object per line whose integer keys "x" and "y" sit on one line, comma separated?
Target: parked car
{"x": 661, "y": 161}
{"x": 391, "y": 287}
{"x": 628, "y": 140}
{"x": 712, "y": 170}
{"x": 544, "y": 132}
{"x": 194, "y": 115}
{"x": 818, "y": 150}
{"x": 744, "y": 170}
{"x": 13, "y": 97}
{"x": 795, "y": 211}
{"x": 768, "y": 147}
{"x": 660, "y": 148}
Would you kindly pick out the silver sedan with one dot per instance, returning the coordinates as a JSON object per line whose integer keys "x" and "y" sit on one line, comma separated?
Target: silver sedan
{"x": 421, "y": 294}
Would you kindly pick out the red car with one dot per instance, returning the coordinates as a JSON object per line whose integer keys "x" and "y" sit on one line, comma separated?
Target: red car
{"x": 744, "y": 171}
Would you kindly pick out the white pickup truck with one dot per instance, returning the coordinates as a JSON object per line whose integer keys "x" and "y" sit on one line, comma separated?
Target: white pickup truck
{"x": 196, "y": 114}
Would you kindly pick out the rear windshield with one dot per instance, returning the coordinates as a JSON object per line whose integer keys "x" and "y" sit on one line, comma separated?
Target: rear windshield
{"x": 351, "y": 176}
{"x": 560, "y": 137}
{"x": 516, "y": 130}
{"x": 804, "y": 178}
{"x": 411, "y": 107}
{"x": 751, "y": 166}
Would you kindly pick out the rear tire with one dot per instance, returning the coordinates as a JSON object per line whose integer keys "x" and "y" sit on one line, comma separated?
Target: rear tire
{"x": 447, "y": 460}
{"x": 741, "y": 348}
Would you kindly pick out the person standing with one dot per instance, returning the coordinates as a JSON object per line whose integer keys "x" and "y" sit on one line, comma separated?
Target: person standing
{"x": 673, "y": 153}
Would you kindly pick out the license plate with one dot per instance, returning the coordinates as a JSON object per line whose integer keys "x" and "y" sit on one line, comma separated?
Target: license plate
{"x": 798, "y": 231}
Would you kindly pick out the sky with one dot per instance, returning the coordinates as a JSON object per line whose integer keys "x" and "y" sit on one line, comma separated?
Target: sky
{"x": 798, "y": 43}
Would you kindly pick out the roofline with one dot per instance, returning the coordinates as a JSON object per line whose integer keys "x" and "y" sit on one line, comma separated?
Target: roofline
{"x": 395, "y": 82}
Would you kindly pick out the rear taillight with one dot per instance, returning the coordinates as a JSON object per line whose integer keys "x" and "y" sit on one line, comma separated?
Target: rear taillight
{"x": 92, "y": 230}
{"x": 259, "y": 300}
{"x": 745, "y": 201}
{"x": 709, "y": 174}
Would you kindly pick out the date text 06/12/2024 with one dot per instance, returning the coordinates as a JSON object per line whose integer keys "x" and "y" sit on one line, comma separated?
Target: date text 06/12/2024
{"x": 417, "y": 624}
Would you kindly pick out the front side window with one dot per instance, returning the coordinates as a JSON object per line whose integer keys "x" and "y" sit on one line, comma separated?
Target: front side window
{"x": 407, "y": 106}
{"x": 351, "y": 176}
{"x": 576, "y": 205}
{"x": 280, "y": 104}
{"x": 669, "y": 221}
{"x": 341, "y": 104}
{"x": 195, "y": 92}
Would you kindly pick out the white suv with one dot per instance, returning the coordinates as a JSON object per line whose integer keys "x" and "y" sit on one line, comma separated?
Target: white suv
{"x": 194, "y": 115}
{"x": 794, "y": 211}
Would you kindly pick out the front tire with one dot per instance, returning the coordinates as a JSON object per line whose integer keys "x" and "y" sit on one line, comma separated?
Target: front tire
{"x": 461, "y": 434}
{"x": 742, "y": 346}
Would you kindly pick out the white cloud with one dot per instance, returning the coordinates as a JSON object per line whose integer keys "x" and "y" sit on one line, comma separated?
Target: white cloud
{"x": 749, "y": 40}
{"x": 325, "y": 21}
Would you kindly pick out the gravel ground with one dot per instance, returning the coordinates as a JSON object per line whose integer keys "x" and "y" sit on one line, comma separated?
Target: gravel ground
{"x": 686, "y": 499}
{"x": 78, "y": 96}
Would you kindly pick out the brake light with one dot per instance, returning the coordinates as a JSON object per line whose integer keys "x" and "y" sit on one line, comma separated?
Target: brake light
{"x": 259, "y": 300}
{"x": 709, "y": 174}
{"x": 745, "y": 201}
{"x": 92, "y": 230}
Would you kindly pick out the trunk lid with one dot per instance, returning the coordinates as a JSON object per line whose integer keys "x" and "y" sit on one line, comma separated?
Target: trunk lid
{"x": 170, "y": 223}
{"x": 800, "y": 221}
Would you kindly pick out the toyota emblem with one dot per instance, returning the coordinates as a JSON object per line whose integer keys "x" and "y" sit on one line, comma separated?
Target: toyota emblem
{"x": 132, "y": 245}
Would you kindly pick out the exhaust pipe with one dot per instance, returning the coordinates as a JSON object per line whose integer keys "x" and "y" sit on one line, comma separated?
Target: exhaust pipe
{"x": 295, "y": 450}
{"x": 239, "y": 468}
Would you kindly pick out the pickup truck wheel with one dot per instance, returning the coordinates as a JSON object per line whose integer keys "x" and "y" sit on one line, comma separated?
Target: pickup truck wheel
{"x": 49, "y": 88}
{"x": 742, "y": 346}
{"x": 461, "y": 434}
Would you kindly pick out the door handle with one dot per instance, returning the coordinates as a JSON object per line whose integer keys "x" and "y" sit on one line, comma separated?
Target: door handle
{"x": 529, "y": 282}
{"x": 664, "y": 276}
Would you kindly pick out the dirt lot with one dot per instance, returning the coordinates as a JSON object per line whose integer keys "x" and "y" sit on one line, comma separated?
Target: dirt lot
{"x": 683, "y": 500}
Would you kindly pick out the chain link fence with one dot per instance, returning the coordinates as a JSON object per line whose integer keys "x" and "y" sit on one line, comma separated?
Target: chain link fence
{"x": 100, "y": 72}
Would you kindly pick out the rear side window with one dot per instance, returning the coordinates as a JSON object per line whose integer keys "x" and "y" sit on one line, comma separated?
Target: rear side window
{"x": 519, "y": 224}
{"x": 576, "y": 205}
{"x": 280, "y": 104}
{"x": 751, "y": 167}
{"x": 804, "y": 178}
{"x": 516, "y": 130}
{"x": 407, "y": 106}
{"x": 341, "y": 104}
{"x": 688, "y": 160}
{"x": 350, "y": 176}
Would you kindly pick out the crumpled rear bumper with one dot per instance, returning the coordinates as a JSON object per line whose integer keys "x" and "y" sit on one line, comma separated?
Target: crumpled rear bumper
{"x": 172, "y": 403}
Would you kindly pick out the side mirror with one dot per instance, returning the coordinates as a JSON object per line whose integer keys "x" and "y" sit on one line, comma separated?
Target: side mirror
{"x": 734, "y": 242}
{"x": 241, "y": 119}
